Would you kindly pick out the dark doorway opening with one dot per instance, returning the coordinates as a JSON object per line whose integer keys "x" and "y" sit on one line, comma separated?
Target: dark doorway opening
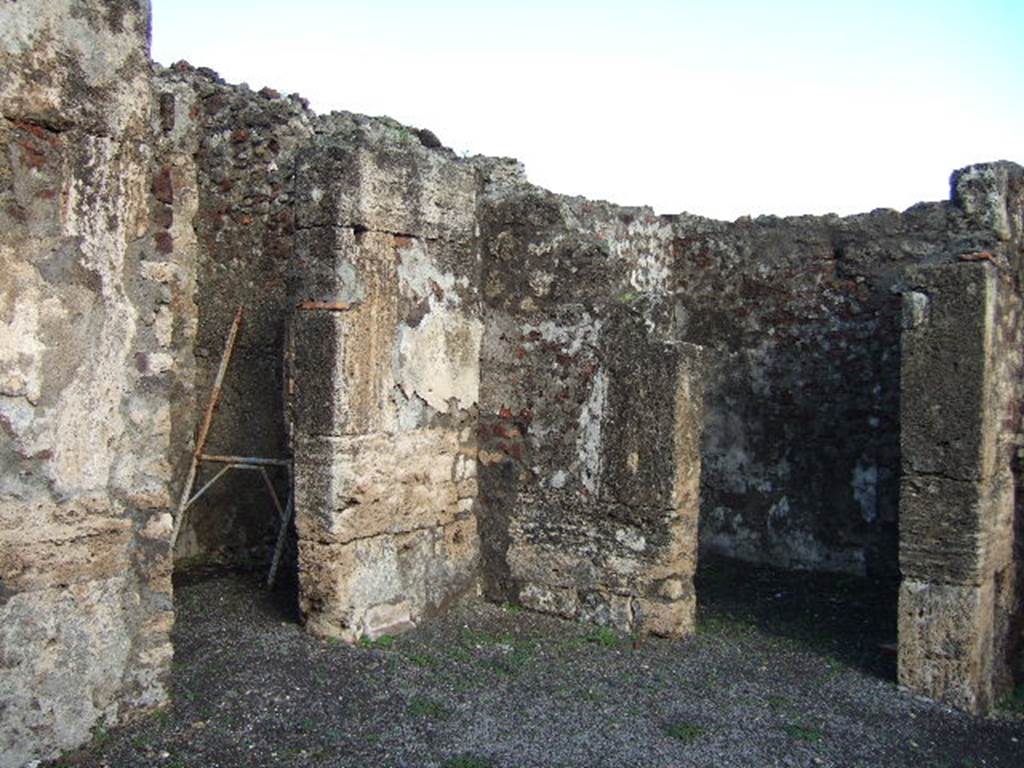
{"x": 851, "y": 619}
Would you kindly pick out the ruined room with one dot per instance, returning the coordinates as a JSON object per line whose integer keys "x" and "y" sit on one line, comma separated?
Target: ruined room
{"x": 244, "y": 342}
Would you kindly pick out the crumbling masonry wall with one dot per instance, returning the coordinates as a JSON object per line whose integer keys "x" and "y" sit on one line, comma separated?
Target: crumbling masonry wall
{"x": 94, "y": 349}
{"x": 225, "y": 158}
{"x": 590, "y": 416}
{"x": 491, "y": 387}
{"x": 801, "y": 317}
{"x": 386, "y": 338}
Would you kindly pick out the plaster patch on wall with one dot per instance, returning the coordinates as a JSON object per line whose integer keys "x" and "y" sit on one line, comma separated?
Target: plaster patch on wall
{"x": 419, "y": 278}
{"x": 439, "y": 359}
{"x": 634, "y": 540}
{"x": 779, "y": 511}
{"x": 865, "y": 489}
{"x": 588, "y": 444}
{"x": 648, "y": 247}
{"x": 89, "y": 413}
{"x": 21, "y": 350}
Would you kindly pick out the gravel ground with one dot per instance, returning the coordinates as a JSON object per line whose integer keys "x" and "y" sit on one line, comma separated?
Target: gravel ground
{"x": 786, "y": 670}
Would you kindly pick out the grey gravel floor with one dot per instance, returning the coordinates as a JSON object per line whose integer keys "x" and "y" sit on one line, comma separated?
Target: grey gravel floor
{"x": 786, "y": 670}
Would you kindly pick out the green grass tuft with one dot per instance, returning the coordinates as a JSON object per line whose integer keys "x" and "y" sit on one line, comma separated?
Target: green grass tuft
{"x": 424, "y": 707}
{"x": 382, "y": 642}
{"x": 604, "y": 636}
{"x": 803, "y": 732}
{"x": 685, "y": 732}
{"x": 1014, "y": 703}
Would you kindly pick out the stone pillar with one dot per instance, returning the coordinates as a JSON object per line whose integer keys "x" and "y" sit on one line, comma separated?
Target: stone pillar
{"x": 386, "y": 359}
{"x": 957, "y": 494}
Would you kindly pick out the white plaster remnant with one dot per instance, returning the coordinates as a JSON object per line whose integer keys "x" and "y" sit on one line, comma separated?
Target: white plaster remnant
{"x": 865, "y": 489}
{"x": 588, "y": 444}
{"x": 571, "y": 338}
{"x": 438, "y": 360}
{"x": 21, "y": 350}
{"x": 634, "y": 540}
{"x": 648, "y": 248}
{"x": 915, "y": 309}
{"x": 780, "y": 509}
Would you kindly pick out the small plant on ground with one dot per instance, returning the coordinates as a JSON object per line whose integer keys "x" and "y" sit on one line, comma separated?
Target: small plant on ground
{"x": 684, "y": 732}
{"x": 421, "y": 659}
{"x": 604, "y": 636}
{"x": 777, "y": 703}
{"x": 803, "y": 732}
{"x": 424, "y": 707}
{"x": 382, "y": 642}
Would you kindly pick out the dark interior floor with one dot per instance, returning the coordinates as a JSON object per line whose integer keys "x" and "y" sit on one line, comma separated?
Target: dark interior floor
{"x": 785, "y": 670}
{"x": 849, "y": 618}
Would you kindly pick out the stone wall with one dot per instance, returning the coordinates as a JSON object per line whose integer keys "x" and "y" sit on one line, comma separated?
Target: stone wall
{"x": 95, "y": 342}
{"x": 590, "y": 415}
{"x": 961, "y": 611}
{"x": 801, "y": 435}
{"x": 386, "y": 337}
{"x": 233, "y": 162}
{"x": 491, "y": 385}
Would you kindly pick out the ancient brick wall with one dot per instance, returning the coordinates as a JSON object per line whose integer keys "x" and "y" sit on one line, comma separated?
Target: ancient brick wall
{"x": 590, "y": 415}
{"x": 233, "y": 162}
{"x": 386, "y": 340}
{"x": 492, "y": 385}
{"x": 801, "y": 433}
{"x": 94, "y": 352}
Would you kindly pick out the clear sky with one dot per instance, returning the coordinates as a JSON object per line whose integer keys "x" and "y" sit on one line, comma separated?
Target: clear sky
{"x": 717, "y": 108}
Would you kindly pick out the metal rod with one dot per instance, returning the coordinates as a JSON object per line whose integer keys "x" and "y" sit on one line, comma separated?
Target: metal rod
{"x": 282, "y": 534}
{"x": 273, "y": 493}
{"x": 204, "y": 429}
{"x": 244, "y": 460}
{"x": 203, "y": 490}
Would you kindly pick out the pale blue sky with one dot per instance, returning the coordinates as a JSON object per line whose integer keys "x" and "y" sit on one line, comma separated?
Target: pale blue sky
{"x": 717, "y": 108}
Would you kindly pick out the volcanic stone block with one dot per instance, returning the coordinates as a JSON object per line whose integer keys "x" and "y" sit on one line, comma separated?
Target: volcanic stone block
{"x": 367, "y": 485}
{"x": 385, "y": 584}
{"x": 955, "y": 532}
{"x": 946, "y": 347}
{"x": 400, "y": 188}
{"x": 946, "y": 642}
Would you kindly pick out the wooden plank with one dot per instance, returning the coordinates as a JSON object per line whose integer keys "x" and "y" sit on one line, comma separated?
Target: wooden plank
{"x": 204, "y": 428}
